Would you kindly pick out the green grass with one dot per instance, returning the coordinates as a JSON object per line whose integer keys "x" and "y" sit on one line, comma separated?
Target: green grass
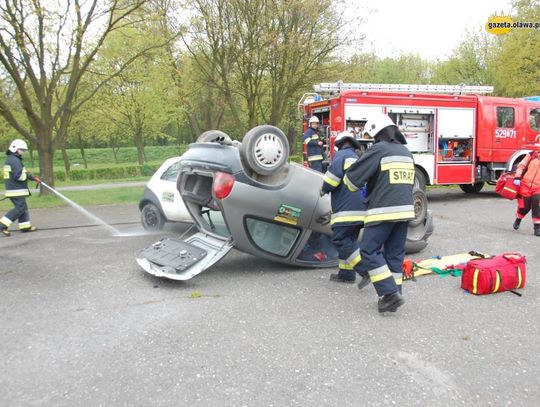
{"x": 126, "y": 195}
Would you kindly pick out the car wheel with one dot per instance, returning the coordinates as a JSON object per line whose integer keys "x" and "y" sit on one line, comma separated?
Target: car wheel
{"x": 472, "y": 188}
{"x": 214, "y": 136}
{"x": 419, "y": 179}
{"x": 151, "y": 217}
{"x": 420, "y": 207}
{"x": 265, "y": 149}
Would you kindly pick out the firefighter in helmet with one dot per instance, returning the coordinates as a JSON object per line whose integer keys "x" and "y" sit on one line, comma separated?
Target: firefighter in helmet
{"x": 387, "y": 168}
{"x": 314, "y": 145}
{"x": 528, "y": 179}
{"x": 16, "y": 179}
{"x": 348, "y": 210}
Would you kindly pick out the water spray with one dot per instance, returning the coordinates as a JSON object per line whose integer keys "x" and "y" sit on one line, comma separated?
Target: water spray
{"x": 114, "y": 231}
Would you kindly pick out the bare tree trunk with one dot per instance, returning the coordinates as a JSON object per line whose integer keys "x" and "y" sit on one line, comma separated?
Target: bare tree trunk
{"x": 81, "y": 149}
{"x": 46, "y": 160}
{"x": 65, "y": 157}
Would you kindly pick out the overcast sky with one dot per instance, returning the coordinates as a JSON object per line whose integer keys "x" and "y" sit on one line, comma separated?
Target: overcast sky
{"x": 430, "y": 28}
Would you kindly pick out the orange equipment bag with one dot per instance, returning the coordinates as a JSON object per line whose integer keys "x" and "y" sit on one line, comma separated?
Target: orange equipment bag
{"x": 505, "y": 186}
{"x": 495, "y": 274}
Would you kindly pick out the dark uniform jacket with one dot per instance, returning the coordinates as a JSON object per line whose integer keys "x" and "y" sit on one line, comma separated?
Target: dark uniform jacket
{"x": 348, "y": 207}
{"x": 16, "y": 177}
{"x": 314, "y": 150}
{"x": 388, "y": 169}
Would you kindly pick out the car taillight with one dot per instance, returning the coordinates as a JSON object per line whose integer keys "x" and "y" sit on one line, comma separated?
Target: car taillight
{"x": 222, "y": 185}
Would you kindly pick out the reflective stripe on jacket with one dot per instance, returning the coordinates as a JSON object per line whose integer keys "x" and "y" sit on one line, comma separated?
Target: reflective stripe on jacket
{"x": 388, "y": 169}
{"x": 347, "y": 207}
{"x": 311, "y": 140}
{"x": 15, "y": 177}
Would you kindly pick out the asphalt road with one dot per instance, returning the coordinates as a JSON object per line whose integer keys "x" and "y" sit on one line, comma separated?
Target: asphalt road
{"x": 82, "y": 325}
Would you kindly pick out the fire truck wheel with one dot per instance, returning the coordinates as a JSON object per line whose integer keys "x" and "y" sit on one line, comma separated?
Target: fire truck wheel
{"x": 420, "y": 207}
{"x": 472, "y": 188}
{"x": 214, "y": 136}
{"x": 419, "y": 179}
{"x": 265, "y": 149}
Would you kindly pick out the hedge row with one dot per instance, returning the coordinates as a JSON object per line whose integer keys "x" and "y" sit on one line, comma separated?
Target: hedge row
{"x": 116, "y": 172}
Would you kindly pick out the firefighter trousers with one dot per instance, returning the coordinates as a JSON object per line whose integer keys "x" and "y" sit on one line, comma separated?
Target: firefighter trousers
{"x": 19, "y": 212}
{"x": 345, "y": 240}
{"x": 385, "y": 268}
{"x": 529, "y": 203}
{"x": 316, "y": 165}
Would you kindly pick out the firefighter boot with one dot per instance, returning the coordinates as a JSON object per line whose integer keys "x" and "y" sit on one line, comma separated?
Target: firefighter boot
{"x": 337, "y": 277}
{"x": 5, "y": 231}
{"x": 516, "y": 224}
{"x": 391, "y": 302}
{"x": 364, "y": 281}
{"x": 30, "y": 229}
{"x": 537, "y": 230}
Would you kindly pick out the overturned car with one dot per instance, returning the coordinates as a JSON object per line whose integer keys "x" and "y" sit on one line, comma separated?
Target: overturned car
{"x": 248, "y": 196}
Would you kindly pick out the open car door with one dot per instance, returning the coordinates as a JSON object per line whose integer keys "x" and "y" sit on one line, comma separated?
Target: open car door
{"x": 182, "y": 259}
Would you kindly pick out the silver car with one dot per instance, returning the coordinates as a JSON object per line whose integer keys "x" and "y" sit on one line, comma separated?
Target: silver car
{"x": 249, "y": 196}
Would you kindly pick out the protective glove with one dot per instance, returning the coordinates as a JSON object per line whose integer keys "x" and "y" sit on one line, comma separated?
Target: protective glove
{"x": 517, "y": 182}
{"x": 37, "y": 179}
{"x": 364, "y": 192}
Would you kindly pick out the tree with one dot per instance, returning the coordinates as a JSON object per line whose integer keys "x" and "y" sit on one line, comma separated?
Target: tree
{"x": 138, "y": 100}
{"x": 469, "y": 62}
{"x": 517, "y": 65}
{"x": 262, "y": 52}
{"x": 46, "y": 48}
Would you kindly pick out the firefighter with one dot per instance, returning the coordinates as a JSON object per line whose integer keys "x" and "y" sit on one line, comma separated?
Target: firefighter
{"x": 314, "y": 145}
{"x": 387, "y": 168}
{"x": 348, "y": 210}
{"x": 528, "y": 179}
{"x": 16, "y": 179}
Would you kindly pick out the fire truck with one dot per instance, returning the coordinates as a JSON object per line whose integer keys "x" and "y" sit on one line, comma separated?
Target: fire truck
{"x": 457, "y": 134}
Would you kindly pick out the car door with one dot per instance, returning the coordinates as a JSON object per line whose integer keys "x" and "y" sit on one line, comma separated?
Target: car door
{"x": 178, "y": 259}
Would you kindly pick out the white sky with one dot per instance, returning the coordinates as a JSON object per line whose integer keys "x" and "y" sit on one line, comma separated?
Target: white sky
{"x": 431, "y": 29}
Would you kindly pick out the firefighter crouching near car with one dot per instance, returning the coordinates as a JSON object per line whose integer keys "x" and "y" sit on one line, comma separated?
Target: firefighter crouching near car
{"x": 348, "y": 210}
{"x": 527, "y": 177}
{"x": 16, "y": 179}
{"x": 314, "y": 145}
{"x": 388, "y": 169}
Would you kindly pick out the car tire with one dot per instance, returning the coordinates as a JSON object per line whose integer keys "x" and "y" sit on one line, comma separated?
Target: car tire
{"x": 419, "y": 179}
{"x": 472, "y": 188}
{"x": 214, "y": 136}
{"x": 265, "y": 149}
{"x": 151, "y": 217}
{"x": 420, "y": 204}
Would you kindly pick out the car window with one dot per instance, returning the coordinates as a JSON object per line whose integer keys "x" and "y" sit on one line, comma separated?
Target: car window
{"x": 505, "y": 117}
{"x": 319, "y": 248}
{"x": 171, "y": 173}
{"x": 534, "y": 119}
{"x": 272, "y": 237}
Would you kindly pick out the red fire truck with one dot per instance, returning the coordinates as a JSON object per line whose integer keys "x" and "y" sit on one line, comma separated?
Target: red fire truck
{"x": 456, "y": 135}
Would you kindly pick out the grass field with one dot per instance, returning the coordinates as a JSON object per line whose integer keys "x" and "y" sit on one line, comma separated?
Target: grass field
{"x": 124, "y": 195}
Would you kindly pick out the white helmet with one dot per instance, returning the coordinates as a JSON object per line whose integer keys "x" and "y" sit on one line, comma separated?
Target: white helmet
{"x": 346, "y": 136}
{"x": 17, "y": 144}
{"x": 376, "y": 123}
{"x": 313, "y": 119}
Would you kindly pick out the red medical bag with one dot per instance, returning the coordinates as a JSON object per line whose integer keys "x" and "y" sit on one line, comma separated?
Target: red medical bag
{"x": 495, "y": 274}
{"x": 505, "y": 186}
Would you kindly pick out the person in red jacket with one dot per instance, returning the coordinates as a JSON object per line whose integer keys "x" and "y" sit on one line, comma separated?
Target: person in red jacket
{"x": 528, "y": 179}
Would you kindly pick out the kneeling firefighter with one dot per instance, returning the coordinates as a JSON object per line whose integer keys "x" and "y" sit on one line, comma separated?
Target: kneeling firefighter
{"x": 348, "y": 210}
{"x": 388, "y": 170}
{"x": 16, "y": 179}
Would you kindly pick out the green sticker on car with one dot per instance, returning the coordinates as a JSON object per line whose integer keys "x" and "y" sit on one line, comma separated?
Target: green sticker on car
{"x": 288, "y": 214}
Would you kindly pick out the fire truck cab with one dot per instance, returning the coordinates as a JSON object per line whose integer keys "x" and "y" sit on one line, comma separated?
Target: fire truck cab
{"x": 456, "y": 135}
